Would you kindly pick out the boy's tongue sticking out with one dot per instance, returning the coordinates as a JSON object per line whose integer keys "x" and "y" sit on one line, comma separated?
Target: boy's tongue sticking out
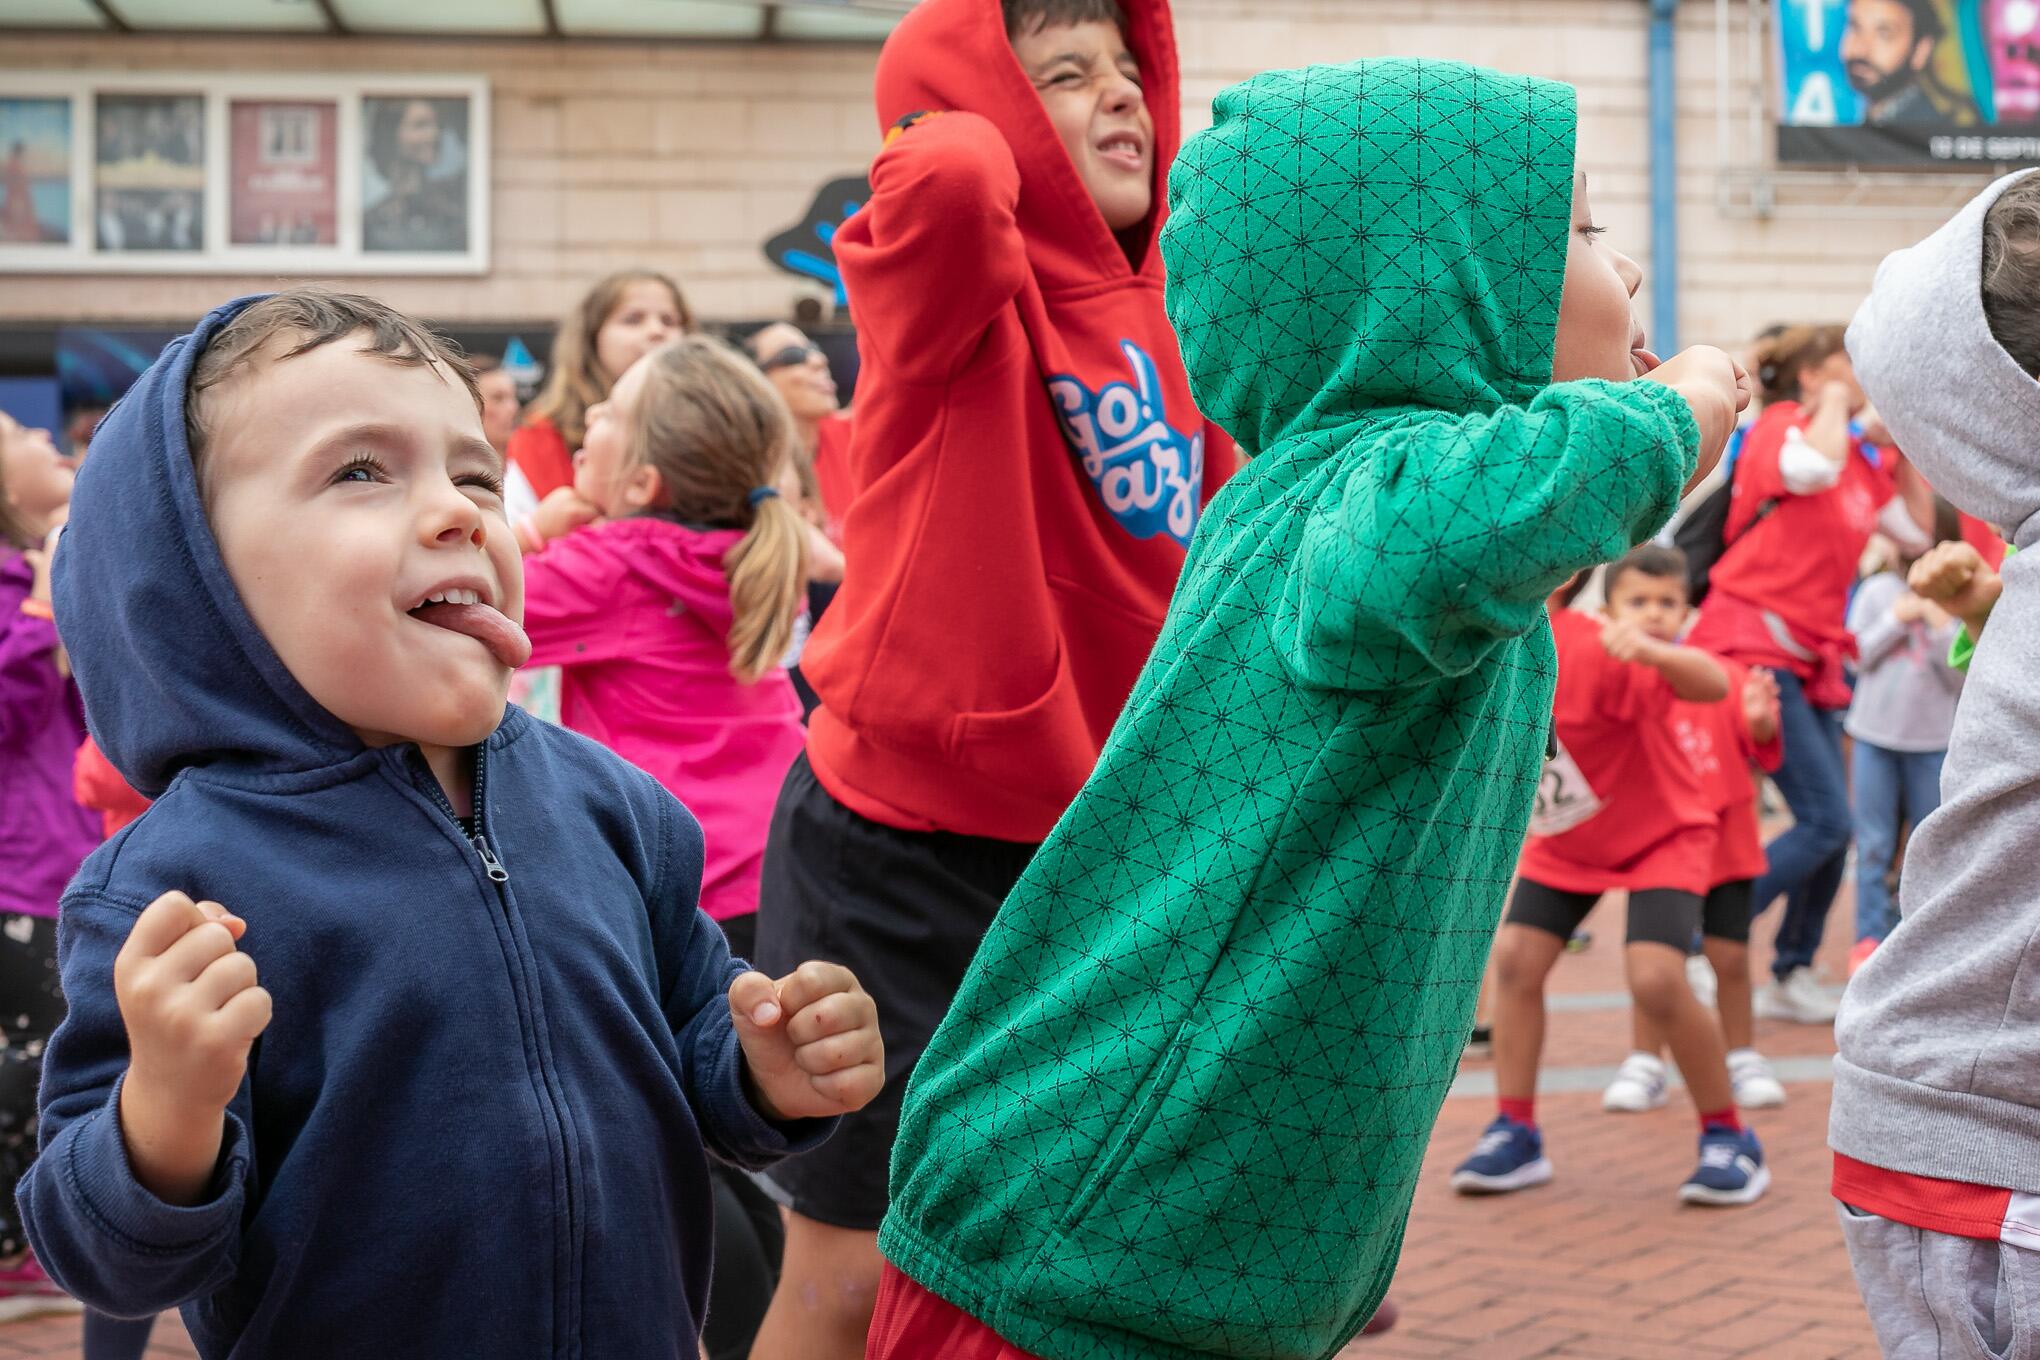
{"x": 468, "y": 612}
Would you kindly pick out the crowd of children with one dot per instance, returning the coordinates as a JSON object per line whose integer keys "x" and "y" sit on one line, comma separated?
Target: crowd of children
{"x": 1121, "y": 743}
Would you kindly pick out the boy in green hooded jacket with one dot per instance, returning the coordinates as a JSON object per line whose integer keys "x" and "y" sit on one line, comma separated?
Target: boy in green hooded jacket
{"x": 1179, "y": 1105}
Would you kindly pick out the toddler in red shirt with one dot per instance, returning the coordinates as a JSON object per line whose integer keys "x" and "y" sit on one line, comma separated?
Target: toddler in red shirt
{"x": 1722, "y": 740}
{"x": 1621, "y": 806}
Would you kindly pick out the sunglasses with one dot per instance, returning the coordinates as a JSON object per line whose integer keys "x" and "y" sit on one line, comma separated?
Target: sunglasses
{"x": 791, "y": 355}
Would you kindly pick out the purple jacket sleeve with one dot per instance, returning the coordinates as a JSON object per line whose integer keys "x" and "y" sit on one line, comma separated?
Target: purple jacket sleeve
{"x": 31, "y": 687}
{"x": 95, "y": 1229}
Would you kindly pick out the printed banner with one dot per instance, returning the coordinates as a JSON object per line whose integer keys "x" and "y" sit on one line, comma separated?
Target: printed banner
{"x": 1909, "y": 82}
{"x": 283, "y": 167}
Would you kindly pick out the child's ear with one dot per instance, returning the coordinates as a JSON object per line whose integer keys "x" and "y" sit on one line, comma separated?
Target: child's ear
{"x": 643, "y": 487}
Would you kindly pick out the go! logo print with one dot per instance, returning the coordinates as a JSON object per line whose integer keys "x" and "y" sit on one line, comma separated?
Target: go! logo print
{"x": 1149, "y": 474}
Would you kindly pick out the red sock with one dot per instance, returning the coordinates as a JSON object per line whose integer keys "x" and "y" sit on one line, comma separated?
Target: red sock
{"x": 1722, "y": 1119}
{"x": 1522, "y": 1111}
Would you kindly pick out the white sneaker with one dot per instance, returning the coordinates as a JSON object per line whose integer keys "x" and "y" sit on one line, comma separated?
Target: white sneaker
{"x": 1639, "y": 1085}
{"x": 1756, "y": 1086}
{"x": 1700, "y": 977}
{"x": 1799, "y": 998}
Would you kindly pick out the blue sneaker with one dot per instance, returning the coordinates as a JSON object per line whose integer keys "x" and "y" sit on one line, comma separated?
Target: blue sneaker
{"x": 1731, "y": 1170}
{"x": 1509, "y": 1156}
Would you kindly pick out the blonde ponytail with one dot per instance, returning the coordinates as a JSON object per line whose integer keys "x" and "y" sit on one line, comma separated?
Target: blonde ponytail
{"x": 719, "y": 436}
{"x": 768, "y": 579}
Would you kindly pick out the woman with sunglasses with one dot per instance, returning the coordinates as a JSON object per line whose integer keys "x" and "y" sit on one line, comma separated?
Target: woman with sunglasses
{"x": 799, "y": 369}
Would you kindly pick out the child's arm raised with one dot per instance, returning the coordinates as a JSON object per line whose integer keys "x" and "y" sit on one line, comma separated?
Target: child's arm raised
{"x": 1692, "y": 674}
{"x": 936, "y": 252}
{"x": 134, "y": 1204}
{"x": 1761, "y": 715}
{"x": 1430, "y": 543}
{"x": 1878, "y": 620}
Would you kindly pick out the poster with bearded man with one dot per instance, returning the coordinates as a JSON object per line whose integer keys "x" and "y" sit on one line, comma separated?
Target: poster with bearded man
{"x": 1909, "y": 82}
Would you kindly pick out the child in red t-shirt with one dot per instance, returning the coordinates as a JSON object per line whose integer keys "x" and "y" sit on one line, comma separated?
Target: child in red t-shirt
{"x": 1621, "y": 806}
{"x": 1721, "y": 740}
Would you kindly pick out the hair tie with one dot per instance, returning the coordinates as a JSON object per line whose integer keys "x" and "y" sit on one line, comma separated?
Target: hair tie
{"x": 761, "y": 494}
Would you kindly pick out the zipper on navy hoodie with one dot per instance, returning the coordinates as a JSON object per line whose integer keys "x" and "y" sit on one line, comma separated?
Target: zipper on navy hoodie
{"x": 498, "y": 875}
{"x": 491, "y": 866}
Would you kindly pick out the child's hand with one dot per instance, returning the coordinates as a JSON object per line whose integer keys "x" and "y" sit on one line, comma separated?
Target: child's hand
{"x": 1955, "y": 577}
{"x": 561, "y": 512}
{"x": 192, "y": 1009}
{"x": 1716, "y": 387}
{"x": 39, "y": 560}
{"x": 810, "y": 1041}
{"x": 1907, "y": 608}
{"x": 1627, "y": 642}
{"x": 1946, "y": 572}
{"x": 1760, "y": 705}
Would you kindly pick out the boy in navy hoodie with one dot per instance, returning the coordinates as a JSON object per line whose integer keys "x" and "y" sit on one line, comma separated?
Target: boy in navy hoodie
{"x": 474, "y": 1120}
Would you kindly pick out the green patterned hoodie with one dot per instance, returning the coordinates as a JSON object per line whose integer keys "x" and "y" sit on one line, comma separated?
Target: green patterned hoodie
{"x": 1178, "y": 1107}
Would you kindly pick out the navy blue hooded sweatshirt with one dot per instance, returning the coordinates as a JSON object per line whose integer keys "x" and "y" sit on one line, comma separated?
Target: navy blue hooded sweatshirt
{"x": 478, "y": 1123}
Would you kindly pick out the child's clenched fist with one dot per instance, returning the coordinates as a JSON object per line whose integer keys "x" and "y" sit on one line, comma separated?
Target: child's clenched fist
{"x": 1954, "y": 576}
{"x": 810, "y": 1041}
{"x": 192, "y": 1007}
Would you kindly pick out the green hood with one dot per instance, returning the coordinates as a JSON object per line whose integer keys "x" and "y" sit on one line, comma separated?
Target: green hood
{"x": 1455, "y": 183}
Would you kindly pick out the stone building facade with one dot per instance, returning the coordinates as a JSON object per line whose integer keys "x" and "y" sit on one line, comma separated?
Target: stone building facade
{"x": 687, "y": 157}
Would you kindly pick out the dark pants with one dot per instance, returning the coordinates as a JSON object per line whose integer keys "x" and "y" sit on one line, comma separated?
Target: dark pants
{"x": 109, "y": 1338}
{"x": 31, "y": 1005}
{"x": 749, "y": 1240}
{"x": 1806, "y": 863}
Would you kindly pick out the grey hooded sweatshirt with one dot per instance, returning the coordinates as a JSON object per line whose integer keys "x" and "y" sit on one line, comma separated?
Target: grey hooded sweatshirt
{"x": 1938, "y": 1065}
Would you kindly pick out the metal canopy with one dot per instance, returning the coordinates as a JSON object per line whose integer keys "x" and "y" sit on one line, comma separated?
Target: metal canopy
{"x": 684, "y": 20}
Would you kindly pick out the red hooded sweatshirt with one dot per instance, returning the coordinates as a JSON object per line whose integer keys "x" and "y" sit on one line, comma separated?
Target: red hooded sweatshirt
{"x": 1029, "y": 464}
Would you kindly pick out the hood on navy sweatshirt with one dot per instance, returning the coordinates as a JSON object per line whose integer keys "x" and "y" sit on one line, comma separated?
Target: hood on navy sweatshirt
{"x": 172, "y": 667}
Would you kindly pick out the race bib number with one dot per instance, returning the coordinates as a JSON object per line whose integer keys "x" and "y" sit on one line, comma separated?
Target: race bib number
{"x": 1564, "y": 797}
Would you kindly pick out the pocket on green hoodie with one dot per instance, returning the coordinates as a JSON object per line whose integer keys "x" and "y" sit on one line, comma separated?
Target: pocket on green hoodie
{"x": 1187, "y": 1189}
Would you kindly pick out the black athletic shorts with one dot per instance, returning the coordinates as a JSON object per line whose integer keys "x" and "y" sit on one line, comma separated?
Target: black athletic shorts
{"x": 1726, "y": 913}
{"x": 1656, "y": 915}
{"x": 905, "y": 911}
{"x": 742, "y": 933}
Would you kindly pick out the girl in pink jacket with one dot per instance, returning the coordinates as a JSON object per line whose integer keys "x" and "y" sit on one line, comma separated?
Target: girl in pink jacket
{"x": 665, "y": 583}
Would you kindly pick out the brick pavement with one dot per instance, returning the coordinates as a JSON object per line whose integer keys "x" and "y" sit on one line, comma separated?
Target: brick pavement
{"x": 1603, "y": 1264}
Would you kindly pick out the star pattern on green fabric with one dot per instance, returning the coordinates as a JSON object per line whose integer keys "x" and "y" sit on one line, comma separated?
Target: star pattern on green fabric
{"x": 1179, "y": 1105}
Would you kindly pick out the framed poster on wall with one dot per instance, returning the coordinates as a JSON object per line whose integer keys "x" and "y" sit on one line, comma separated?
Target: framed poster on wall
{"x": 414, "y": 174}
{"x": 35, "y": 172}
{"x": 148, "y": 178}
{"x": 1909, "y": 83}
{"x": 113, "y": 171}
{"x": 283, "y": 173}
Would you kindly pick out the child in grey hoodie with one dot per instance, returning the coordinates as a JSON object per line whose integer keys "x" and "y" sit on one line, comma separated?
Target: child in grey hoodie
{"x": 1936, "y": 1115}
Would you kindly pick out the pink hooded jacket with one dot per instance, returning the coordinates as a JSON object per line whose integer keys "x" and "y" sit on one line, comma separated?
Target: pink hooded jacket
{"x": 636, "y": 612}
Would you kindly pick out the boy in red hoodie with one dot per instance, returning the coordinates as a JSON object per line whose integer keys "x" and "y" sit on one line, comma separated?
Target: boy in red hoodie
{"x": 1028, "y": 469}
{"x": 1621, "y": 806}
